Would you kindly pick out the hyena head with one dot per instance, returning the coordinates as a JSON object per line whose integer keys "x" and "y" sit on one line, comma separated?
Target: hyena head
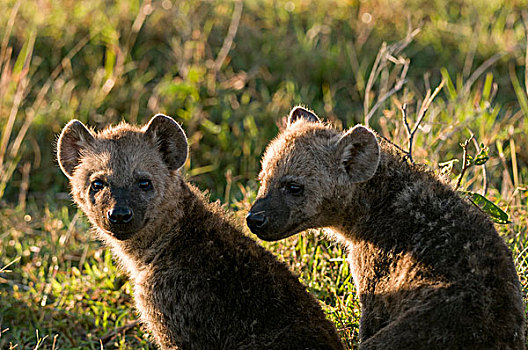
{"x": 121, "y": 176}
{"x": 307, "y": 172}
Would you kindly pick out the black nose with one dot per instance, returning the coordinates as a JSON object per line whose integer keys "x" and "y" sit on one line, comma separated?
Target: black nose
{"x": 120, "y": 215}
{"x": 256, "y": 220}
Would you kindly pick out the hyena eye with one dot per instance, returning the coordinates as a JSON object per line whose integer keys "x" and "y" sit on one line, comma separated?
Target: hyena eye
{"x": 145, "y": 184}
{"x": 97, "y": 185}
{"x": 294, "y": 188}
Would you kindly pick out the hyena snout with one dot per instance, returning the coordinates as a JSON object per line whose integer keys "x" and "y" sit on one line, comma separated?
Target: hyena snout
{"x": 256, "y": 220}
{"x": 269, "y": 218}
{"x": 120, "y": 215}
{"x": 258, "y": 217}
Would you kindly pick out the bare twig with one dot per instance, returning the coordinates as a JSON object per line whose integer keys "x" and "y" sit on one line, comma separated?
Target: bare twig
{"x": 373, "y": 76}
{"x": 409, "y": 37}
{"x": 410, "y": 133}
{"x": 392, "y": 143}
{"x": 427, "y": 103}
{"x": 399, "y": 84}
{"x": 228, "y": 40}
{"x": 387, "y": 54}
{"x": 465, "y": 162}
{"x": 481, "y": 69}
{"x": 405, "y": 122}
{"x": 54, "y": 346}
{"x": 421, "y": 114}
{"x": 111, "y": 335}
{"x": 4, "y": 269}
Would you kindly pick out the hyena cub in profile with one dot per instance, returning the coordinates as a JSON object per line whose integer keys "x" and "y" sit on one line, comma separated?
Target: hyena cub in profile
{"x": 430, "y": 270}
{"x": 199, "y": 282}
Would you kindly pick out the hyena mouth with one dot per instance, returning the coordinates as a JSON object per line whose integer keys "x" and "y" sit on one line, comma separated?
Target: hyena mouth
{"x": 124, "y": 231}
{"x": 275, "y": 234}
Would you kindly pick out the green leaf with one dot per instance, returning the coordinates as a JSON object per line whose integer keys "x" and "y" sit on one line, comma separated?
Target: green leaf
{"x": 482, "y": 157}
{"x": 497, "y": 214}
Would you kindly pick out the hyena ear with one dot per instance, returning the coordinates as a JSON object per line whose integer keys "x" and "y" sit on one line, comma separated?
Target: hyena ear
{"x": 73, "y": 138}
{"x": 302, "y": 113}
{"x": 170, "y": 138}
{"x": 359, "y": 152}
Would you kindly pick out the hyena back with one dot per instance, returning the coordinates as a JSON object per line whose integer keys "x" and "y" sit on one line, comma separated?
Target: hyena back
{"x": 199, "y": 282}
{"x": 430, "y": 270}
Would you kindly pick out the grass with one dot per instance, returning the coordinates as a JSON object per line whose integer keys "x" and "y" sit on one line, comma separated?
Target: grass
{"x": 229, "y": 72}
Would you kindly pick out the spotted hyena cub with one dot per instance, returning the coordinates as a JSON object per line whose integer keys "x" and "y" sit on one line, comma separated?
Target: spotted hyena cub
{"x": 199, "y": 282}
{"x": 430, "y": 270}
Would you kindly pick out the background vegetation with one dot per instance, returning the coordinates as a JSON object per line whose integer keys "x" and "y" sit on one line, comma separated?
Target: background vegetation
{"x": 229, "y": 72}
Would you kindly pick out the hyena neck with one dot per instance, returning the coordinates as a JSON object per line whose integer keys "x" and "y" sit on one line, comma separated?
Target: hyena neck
{"x": 368, "y": 212}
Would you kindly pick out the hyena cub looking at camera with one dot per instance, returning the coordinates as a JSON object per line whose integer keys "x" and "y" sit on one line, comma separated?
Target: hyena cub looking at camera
{"x": 430, "y": 270}
{"x": 199, "y": 283}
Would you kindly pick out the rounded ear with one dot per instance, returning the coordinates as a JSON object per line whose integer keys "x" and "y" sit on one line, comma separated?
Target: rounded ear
{"x": 170, "y": 139}
{"x": 359, "y": 153}
{"x": 299, "y": 112}
{"x": 73, "y": 138}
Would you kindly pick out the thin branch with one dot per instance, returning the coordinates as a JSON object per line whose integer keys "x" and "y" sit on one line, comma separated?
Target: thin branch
{"x": 421, "y": 114}
{"x": 109, "y": 336}
{"x": 400, "y": 46}
{"x": 395, "y": 89}
{"x": 427, "y": 103}
{"x": 5, "y": 268}
{"x": 405, "y": 122}
{"x": 385, "y": 55}
{"x": 481, "y": 69}
{"x": 392, "y": 143}
{"x": 410, "y": 133}
{"x": 465, "y": 162}
{"x": 373, "y": 76}
{"x": 228, "y": 40}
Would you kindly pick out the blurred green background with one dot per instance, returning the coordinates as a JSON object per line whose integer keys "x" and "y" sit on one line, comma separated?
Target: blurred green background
{"x": 230, "y": 72}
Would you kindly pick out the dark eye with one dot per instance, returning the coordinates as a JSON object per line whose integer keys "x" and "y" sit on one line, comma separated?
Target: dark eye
{"x": 145, "y": 184}
{"x": 97, "y": 185}
{"x": 294, "y": 188}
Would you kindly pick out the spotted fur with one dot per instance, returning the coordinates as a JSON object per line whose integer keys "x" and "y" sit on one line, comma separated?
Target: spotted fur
{"x": 430, "y": 270}
{"x": 199, "y": 282}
